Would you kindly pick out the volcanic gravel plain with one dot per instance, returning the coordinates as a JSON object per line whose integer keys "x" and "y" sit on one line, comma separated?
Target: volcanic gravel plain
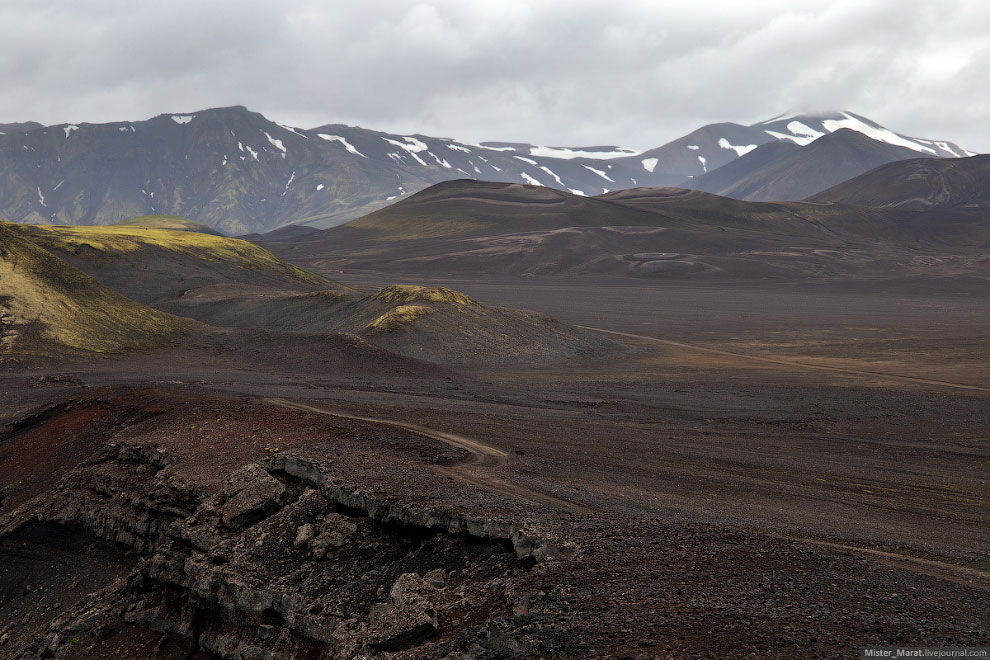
{"x": 779, "y": 470}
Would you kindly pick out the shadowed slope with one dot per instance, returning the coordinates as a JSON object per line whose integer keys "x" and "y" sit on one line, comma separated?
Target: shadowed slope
{"x": 780, "y": 171}
{"x": 472, "y": 228}
{"x": 961, "y": 184}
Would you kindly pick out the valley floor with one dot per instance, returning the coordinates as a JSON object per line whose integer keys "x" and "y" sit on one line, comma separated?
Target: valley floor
{"x": 762, "y": 471}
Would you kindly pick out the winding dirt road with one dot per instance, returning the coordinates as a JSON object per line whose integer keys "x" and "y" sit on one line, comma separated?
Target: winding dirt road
{"x": 480, "y": 455}
{"x": 972, "y": 577}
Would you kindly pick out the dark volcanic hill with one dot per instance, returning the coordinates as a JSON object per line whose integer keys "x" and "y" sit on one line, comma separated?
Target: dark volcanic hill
{"x": 432, "y": 324}
{"x": 961, "y": 184}
{"x": 241, "y": 173}
{"x": 782, "y": 171}
{"x": 471, "y": 229}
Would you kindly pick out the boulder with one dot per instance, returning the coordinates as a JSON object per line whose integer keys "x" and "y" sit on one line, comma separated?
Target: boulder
{"x": 334, "y": 531}
{"x": 249, "y": 495}
{"x": 408, "y": 620}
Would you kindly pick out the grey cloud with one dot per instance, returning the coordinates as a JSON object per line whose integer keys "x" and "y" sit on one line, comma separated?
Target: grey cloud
{"x": 632, "y": 72}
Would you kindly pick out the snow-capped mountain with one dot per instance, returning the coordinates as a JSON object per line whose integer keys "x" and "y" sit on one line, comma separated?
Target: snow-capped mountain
{"x": 240, "y": 172}
{"x": 805, "y": 129}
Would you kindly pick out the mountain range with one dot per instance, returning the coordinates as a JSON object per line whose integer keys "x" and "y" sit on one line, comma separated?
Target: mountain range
{"x": 239, "y": 172}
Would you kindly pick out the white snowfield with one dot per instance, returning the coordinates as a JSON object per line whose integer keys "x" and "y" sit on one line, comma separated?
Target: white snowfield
{"x": 530, "y": 180}
{"x": 802, "y": 134}
{"x": 600, "y": 173}
{"x": 292, "y": 130}
{"x": 276, "y": 143}
{"x": 412, "y": 147}
{"x": 649, "y": 164}
{"x": 567, "y": 153}
{"x": 351, "y": 149}
{"x": 71, "y": 127}
{"x": 182, "y": 119}
{"x": 874, "y": 132}
{"x": 741, "y": 150}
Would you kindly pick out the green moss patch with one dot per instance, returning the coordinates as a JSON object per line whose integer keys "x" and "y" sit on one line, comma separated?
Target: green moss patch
{"x": 396, "y": 318}
{"x": 408, "y": 293}
{"x": 48, "y": 304}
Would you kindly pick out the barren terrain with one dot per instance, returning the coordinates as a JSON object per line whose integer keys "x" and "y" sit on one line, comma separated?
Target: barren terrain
{"x": 761, "y": 471}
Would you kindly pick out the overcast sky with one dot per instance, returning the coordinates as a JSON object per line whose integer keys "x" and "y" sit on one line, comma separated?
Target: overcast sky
{"x": 634, "y": 73}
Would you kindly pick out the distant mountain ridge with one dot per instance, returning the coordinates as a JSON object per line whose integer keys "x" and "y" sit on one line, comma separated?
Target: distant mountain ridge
{"x": 786, "y": 171}
{"x": 957, "y": 184}
{"x": 239, "y": 172}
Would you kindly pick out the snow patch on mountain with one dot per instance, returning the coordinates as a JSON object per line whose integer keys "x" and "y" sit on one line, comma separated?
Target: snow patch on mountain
{"x": 693, "y": 147}
{"x": 182, "y": 119}
{"x": 441, "y": 161}
{"x": 947, "y": 147}
{"x": 600, "y": 173}
{"x": 873, "y": 132}
{"x": 489, "y": 148}
{"x": 457, "y": 147}
{"x": 704, "y": 162}
{"x": 347, "y": 145}
{"x": 741, "y": 150}
{"x": 412, "y": 146}
{"x": 530, "y": 180}
{"x": 567, "y": 153}
{"x": 555, "y": 177}
{"x": 293, "y": 130}
{"x": 71, "y": 127}
{"x": 276, "y": 143}
{"x": 649, "y": 164}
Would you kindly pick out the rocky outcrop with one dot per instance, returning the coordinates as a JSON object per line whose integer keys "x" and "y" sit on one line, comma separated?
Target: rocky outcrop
{"x": 249, "y": 495}
{"x": 281, "y": 560}
{"x": 408, "y": 619}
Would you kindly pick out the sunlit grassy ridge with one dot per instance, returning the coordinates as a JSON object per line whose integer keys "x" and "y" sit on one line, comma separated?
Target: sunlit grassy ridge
{"x": 166, "y": 221}
{"x": 398, "y": 317}
{"x": 46, "y": 303}
{"x": 123, "y": 239}
{"x": 407, "y": 293}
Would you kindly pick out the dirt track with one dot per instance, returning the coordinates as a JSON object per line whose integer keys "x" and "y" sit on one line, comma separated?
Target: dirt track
{"x": 480, "y": 455}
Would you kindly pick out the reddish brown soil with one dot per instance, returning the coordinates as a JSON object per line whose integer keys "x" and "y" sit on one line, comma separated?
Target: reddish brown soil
{"x": 735, "y": 507}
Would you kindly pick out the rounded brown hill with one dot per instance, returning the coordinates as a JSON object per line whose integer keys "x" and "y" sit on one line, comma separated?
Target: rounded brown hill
{"x": 449, "y": 327}
{"x": 434, "y": 324}
{"x": 919, "y": 184}
{"x": 467, "y": 207}
{"x": 154, "y": 265}
{"x": 475, "y": 229}
{"x": 48, "y": 306}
